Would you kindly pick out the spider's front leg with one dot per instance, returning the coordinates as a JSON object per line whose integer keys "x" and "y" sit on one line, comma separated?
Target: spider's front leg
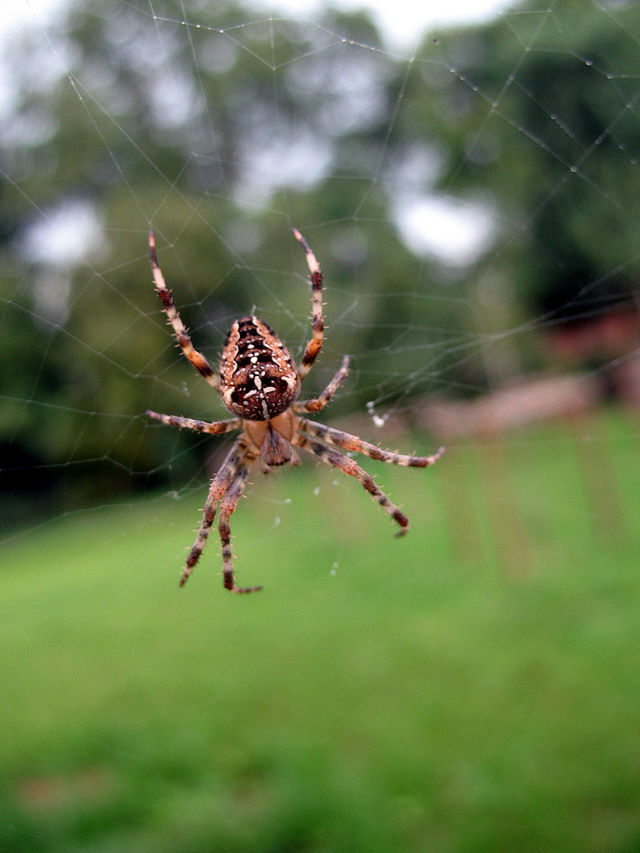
{"x": 227, "y": 505}
{"x": 226, "y": 486}
{"x": 356, "y": 444}
{"x": 348, "y": 466}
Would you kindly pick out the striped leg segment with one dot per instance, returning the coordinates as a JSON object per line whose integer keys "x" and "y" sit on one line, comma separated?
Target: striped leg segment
{"x": 213, "y": 428}
{"x": 317, "y": 335}
{"x": 227, "y": 505}
{"x": 321, "y": 401}
{"x": 348, "y": 466}
{"x": 233, "y": 465}
{"x": 357, "y": 445}
{"x": 184, "y": 341}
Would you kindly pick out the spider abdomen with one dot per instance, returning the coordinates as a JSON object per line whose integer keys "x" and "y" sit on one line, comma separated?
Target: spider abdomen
{"x": 258, "y": 377}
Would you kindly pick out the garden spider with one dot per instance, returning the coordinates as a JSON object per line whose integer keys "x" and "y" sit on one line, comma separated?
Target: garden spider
{"x": 259, "y": 383}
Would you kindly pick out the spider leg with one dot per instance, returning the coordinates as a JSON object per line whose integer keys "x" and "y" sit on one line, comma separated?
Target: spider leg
{"x": 348, "y": 466}
{"x": 184, "y": 341}
{"x": 227, "y": 505}
{"x": 317, "y": 324}
{"x": 234, "y": 463}
{"x": 357, "y": 445}
{"x": 213, "y": 428}
{"x": 321, "y": 401}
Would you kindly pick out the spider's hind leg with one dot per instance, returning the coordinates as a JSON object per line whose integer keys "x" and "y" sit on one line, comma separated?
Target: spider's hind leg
{"x": 182, "y": 336}
{"x": 317, "y": 323}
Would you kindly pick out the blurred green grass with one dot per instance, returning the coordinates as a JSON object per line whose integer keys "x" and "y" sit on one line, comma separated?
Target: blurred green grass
{"x": 472, "y": 687}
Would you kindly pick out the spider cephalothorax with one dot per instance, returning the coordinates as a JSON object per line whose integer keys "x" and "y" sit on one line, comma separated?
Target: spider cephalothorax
{"x": 259, "y": 383}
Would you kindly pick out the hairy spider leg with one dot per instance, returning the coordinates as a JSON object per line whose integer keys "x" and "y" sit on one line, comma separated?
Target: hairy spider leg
{"x": 348, "y": 466}
{"x": 231, "y": 477}
{"x": 317, "y": 323}
{"x": 321, "y": 401}
{"x": 227, "y": 506}
{"x": 213, "y": 427}
{"x": 351, "y": 442}
{"x": 184, "y": 341}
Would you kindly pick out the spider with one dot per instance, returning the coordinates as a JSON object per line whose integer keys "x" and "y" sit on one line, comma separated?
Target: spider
{"x": 259, "y": 383}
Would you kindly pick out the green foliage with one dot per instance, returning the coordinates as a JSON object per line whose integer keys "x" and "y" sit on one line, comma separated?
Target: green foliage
{"x": 178, "y": 127}
{"x": 379, "y": 694}
{"x": 550, "y": 136}
{"x": 125, "y": 130}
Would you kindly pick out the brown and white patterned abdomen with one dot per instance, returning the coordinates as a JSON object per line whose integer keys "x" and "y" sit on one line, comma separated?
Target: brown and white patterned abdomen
{"x": 258, "y": 377}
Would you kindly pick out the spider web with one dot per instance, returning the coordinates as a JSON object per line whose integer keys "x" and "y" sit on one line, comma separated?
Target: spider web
{"x": 472, "y": 197}
{"x": 457, "y": 239}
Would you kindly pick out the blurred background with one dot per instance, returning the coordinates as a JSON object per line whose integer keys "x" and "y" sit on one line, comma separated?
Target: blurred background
{"x": 470, "y": 186}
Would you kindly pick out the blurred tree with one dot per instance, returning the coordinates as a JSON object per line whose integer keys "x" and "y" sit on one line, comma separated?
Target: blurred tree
{"x": 180, "y": 128}
{"x": 537, "y": 114}
{"x": 223, "y": 134}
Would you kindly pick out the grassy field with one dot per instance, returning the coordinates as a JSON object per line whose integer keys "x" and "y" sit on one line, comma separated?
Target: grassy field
{"x": 474, "y": 686}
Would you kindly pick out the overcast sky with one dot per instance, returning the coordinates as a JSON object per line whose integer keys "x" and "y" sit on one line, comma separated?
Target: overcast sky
{"x": 402, "y": 21}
